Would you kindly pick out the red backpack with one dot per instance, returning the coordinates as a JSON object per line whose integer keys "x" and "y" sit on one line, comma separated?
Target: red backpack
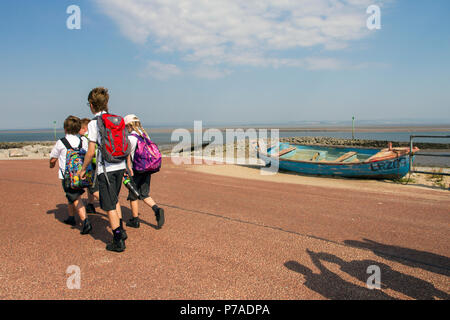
{"x": 115, "y": 146}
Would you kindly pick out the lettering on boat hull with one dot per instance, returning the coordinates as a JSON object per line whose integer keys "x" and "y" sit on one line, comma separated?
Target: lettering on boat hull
{"x": 388, "y": 165}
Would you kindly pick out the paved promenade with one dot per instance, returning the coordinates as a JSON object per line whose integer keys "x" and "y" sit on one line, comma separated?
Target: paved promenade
{"x": 227, "y": 238}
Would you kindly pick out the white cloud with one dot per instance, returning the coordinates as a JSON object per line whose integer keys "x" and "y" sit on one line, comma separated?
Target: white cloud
{"x": 160, "y": 71}
{"x": 208, "y": 72}
{"x": 236, "y": 32}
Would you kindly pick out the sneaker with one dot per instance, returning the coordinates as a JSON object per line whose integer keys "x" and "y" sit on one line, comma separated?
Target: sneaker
{"x": 133, "y": 223}
{"x": 116, "y": 245}
{"x": 160, "y": 217}
{"x": 124, "y": 235}
{"x": 70, "y": 221}
{"x": 87, "y": 227}
{"x": 90, "y": 208}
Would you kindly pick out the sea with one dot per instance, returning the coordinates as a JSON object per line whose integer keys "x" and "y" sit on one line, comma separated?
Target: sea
{"x": 163, "y": 138}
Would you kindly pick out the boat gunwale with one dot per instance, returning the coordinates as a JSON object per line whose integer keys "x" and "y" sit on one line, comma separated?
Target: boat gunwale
{"x": 335, "y": 163}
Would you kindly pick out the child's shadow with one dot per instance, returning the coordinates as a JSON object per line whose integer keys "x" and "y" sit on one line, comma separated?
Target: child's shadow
{"x": 127, "y": 214}
{"x": 99, "y": 222}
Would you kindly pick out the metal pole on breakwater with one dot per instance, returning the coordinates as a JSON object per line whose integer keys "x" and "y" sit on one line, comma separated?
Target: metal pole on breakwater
{"x": 353, "y": 128}
{"x": 54, "y": 128}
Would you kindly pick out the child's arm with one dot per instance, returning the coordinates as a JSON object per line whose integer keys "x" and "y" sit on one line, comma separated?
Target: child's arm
{"x": 53, "y": 162}
{"x": 54, "y": 154}
{"x": 129, "y": 165}
{"x": 87, "y": 158}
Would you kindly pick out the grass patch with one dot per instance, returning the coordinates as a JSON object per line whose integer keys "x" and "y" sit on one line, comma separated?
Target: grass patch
{"x": 438, "y": 179}
{"x": 404, "y": 180}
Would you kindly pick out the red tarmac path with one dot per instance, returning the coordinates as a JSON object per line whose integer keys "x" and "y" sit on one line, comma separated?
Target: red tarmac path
{"x": 225, "y": 238}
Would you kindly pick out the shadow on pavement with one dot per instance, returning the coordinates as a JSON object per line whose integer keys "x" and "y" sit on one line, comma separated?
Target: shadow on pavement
{"x": 61, "y": 212}
{"x": 410, "y": 257}
{"x": 332, "y": 286}
{"x": 98, "y": 220}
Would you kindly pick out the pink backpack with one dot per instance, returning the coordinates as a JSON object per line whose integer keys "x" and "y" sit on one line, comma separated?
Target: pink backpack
{"x": 147, "y": 157}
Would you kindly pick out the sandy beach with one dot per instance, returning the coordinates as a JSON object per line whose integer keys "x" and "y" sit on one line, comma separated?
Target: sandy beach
{"x": 229, "y": 234}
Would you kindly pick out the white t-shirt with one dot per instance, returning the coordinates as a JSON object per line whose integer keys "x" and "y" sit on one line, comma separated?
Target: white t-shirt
{"x": 94, "y": 136}
{"x": 59, "y": 151}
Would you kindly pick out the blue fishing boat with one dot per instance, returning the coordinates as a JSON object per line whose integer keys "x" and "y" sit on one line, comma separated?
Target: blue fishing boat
{"x": 389, "y": 163}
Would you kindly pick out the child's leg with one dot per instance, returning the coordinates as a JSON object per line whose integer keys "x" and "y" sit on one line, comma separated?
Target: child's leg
{"x": 119, "y": 210}
{"x": 78, "y": 205}
{"x": 109, "y": 196}
{"x": 134, "y": 208}
{"x": 91, "y": 198}
{"x": 119, "y": 215}
{"x": 144, "y": 189}
{"x": 159, "y": 212}
{"x": 134, "y": 203}
{"x": 149, "y": 201}
{"x": 90, "y": 208}
{"x": 114, "y": 220}
{"x": 134, "y": 221}
{"x": 86, "y": 225}
{"x": 109, "y": 186}
{"x": 71, "y": 209}
{"x": 115, "y": 215}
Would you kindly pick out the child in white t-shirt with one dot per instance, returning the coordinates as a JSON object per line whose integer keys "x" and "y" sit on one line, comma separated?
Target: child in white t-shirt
{"x": 72, "y": 126}
{"x": 110, "y": 175}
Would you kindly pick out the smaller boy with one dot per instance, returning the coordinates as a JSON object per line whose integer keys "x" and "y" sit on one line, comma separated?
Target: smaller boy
{"x": 92, "y": 191}
{"x": 72, "y": 126}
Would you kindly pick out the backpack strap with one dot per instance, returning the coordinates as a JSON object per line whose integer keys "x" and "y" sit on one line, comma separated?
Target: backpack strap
{"x": 66, "y": 143}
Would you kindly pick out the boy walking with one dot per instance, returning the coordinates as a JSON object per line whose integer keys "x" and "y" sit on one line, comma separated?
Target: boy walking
{"x": 110, "y": 174}
{"x": 71, "y": 140}
{"x": 93, "y": 190}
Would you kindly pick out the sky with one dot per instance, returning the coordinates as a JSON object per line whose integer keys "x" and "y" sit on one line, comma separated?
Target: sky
{"x": 225, "y": 61}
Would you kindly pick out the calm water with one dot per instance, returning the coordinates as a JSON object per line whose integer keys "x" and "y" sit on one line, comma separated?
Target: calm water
{"x": 163, "y": 138}
{"x": 12, "y": 136}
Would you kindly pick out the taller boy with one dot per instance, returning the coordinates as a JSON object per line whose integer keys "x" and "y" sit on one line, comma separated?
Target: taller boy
{"x": 110, "y": 174}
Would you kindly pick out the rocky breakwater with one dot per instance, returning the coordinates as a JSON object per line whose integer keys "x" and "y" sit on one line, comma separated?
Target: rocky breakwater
{"x": 377, "y": 144}
{"x": 242, "y": 148}
{"x": 25, "y": 150}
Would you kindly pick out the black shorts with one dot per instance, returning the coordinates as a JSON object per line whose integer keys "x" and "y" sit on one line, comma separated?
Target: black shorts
{"x": 72, "y": 194}
{"x": 109, "y": 194}
{"x": 141, "y": 182}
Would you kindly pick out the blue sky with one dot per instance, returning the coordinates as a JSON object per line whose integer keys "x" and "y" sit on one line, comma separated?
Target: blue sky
{"x": 225, "y": 61}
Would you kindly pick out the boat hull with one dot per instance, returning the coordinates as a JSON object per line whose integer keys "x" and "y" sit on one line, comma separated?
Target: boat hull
{"x": 394, "y": 168}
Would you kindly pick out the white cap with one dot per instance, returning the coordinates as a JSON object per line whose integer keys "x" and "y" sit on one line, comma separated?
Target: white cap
{"x": 130, "y": 118}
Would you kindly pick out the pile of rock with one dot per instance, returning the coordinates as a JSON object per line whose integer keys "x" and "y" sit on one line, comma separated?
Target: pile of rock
{"x": 378, "y": 144}
{"x": 243, "y": 147}
{"x": 34, "y": 151}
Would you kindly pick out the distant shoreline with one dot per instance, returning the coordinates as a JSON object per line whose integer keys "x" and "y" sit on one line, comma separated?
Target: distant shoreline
{"x": 374, "y": 128}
